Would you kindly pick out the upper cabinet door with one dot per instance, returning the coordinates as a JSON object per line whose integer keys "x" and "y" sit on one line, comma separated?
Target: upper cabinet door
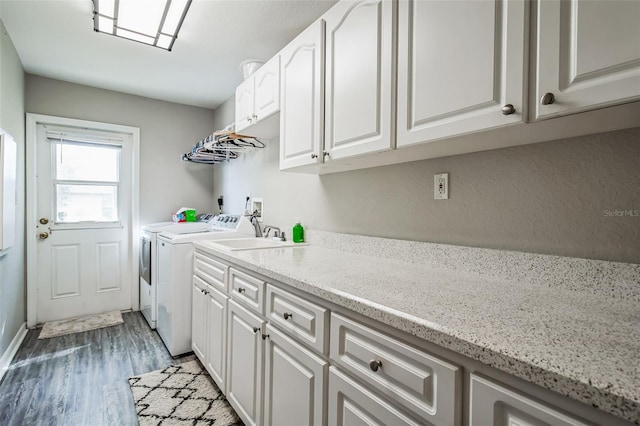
{"x": 302, "y": 98}
{"x": 588, "y": 55}
{"x": 244, "y": 104}
{"x": 267, "y": 89}
{"x": 460, "y": 67}
{"x": 359, "y": 78}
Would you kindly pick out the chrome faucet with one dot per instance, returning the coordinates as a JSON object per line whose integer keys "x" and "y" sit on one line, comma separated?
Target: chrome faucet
{"x": 277, "y": 233}
{"x": 253, "y": 217}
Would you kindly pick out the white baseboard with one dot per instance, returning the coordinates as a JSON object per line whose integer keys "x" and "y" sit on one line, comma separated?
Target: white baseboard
{"x": 11, "y": 351}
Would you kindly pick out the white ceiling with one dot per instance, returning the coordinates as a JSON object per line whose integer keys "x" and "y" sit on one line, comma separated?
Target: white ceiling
{"x": 55, "y": 38}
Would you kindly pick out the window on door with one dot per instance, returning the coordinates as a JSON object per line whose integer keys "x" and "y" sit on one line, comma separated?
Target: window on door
{"x": 86, "y": 179}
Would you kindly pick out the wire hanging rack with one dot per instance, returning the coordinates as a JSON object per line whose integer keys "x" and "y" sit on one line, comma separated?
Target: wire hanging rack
{"x": 221, "y": 147}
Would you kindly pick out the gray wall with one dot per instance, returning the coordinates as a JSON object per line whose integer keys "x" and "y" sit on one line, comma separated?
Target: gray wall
{"x": 548, "y": 198}
{"x": 12, "y": 264}
{"x": 167, "y": 130}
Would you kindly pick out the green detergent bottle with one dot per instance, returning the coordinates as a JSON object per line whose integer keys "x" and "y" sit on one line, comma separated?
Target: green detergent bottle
{"x": 298, "y": 232}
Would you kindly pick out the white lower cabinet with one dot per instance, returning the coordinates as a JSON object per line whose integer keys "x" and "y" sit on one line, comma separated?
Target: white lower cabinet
{"x": 209, "y": 329}
{"x": 244, "y": 363}
{"x": 352, "y": 404}
{"x": 422, "y": 384}
{"x": 294, "y": 382}
{"x": 492, "y": 404}
{"x": 199, "y": 318}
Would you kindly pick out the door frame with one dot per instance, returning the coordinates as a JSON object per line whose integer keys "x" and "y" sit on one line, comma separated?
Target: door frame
{"x": 33, "y": 120}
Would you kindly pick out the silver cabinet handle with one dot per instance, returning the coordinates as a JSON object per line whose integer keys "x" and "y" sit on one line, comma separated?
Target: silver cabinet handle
{"x": 547, "y": 99}
{"x": 508, "y": 109}
{"x": 241, "y": 290}
{"x": 287, "y": 315}
{"x": 314, "y": 155}
{"x": 374, "y": 364}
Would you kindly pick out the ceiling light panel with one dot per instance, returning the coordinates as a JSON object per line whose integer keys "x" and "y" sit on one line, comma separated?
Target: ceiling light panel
{"x": 152, "y": 22}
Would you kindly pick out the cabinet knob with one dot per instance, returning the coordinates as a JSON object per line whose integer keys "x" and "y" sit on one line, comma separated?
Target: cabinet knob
{"x": 241, "y": 290}
{"x": 314, "y": 155}
{"x": 325, "y": 154}
{"x": 508, "y": 109}
{"x": 256, "y": 329}
{"x": 255, "y": 117}
{"x": 249, "y": 119}
{"x": 374, "y": 364}
{"x": 287, "y": 315}
{"x": 547, "y": 99}
{"x": 265, "y": 336}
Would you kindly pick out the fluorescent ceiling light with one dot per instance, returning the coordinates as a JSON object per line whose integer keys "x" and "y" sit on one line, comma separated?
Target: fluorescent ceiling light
{"x": 153, "y": 22}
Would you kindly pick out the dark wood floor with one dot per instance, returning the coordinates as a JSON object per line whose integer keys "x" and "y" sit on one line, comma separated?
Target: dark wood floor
{"x": 81, "y": 379}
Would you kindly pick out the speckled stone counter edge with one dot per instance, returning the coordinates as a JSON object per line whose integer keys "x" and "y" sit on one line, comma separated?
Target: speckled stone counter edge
{"x": 610, "y": 279}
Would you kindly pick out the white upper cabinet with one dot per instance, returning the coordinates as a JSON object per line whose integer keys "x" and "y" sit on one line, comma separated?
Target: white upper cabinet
{"x": 257, "y": 99}
{"x": 588, "y": 55}
{"x": 461, "y": 67}
{"x": 359, "y": 78}
{"x": 244, "y": 104}
{"x": 302, "y": 98}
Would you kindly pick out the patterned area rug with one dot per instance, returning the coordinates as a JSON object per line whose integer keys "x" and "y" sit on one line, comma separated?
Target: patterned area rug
{"x": 79, "y": 324}
{"x": 180, "y": 395}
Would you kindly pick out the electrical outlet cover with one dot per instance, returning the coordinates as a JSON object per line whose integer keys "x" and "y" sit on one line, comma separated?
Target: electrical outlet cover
{"x": 441, "y": 186}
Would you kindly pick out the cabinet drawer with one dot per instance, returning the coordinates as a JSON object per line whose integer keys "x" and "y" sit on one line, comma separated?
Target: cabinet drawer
{"x": 421, "y": 383}
{"x": 302, "y": 319}
{"x": 492, "y": 404}
{"x": 247, "y": 290}
{"x": 211, "y": 271}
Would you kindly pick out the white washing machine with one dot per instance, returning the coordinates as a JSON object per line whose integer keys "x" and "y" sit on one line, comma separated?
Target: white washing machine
{"x": 175, "y": 272}
{"x": 149, "y": 261}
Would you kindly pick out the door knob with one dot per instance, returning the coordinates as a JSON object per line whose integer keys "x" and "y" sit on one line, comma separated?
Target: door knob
{"x": 547, "y": 99}
{"x": 44, "y": 220}
{"x": 43, "y": 235}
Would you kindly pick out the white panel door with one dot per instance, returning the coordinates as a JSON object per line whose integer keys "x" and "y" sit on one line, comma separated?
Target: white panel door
{"x": 353, "y": 404}
{"x": 588, "y": 55}
{"x": 245, "y": 359}
{"x": 492, "y": 404}
{"x": 199, "y": 320}
{"x": 267, "y": 89}
{"x": 83, "y": 207}
{"x": 359, "y": 78}
{"x": 302, "y": 98}
{"x": 295, "y": 383}
{"x": 459, "y": 64}
{"x": 217, "y": 337}
{"x": 244, "y": 104}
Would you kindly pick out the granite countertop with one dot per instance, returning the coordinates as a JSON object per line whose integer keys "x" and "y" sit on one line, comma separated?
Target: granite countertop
{"x": 583, "y": 344}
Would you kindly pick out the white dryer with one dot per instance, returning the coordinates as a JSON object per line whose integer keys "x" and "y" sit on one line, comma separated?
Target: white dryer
{"x": 149, "y": 261}
{"x": 175, "y": 272}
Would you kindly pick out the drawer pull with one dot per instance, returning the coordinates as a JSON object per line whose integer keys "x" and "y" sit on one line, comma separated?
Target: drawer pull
{"x": 256, "y": 329}
{"x": 287, "y": 315}
{"x": 241, "y": 290}
{"x": 374, "y": 364}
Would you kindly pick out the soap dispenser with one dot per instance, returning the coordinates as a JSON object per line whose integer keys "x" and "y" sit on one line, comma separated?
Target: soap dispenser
{"x": 298, "y": 232}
